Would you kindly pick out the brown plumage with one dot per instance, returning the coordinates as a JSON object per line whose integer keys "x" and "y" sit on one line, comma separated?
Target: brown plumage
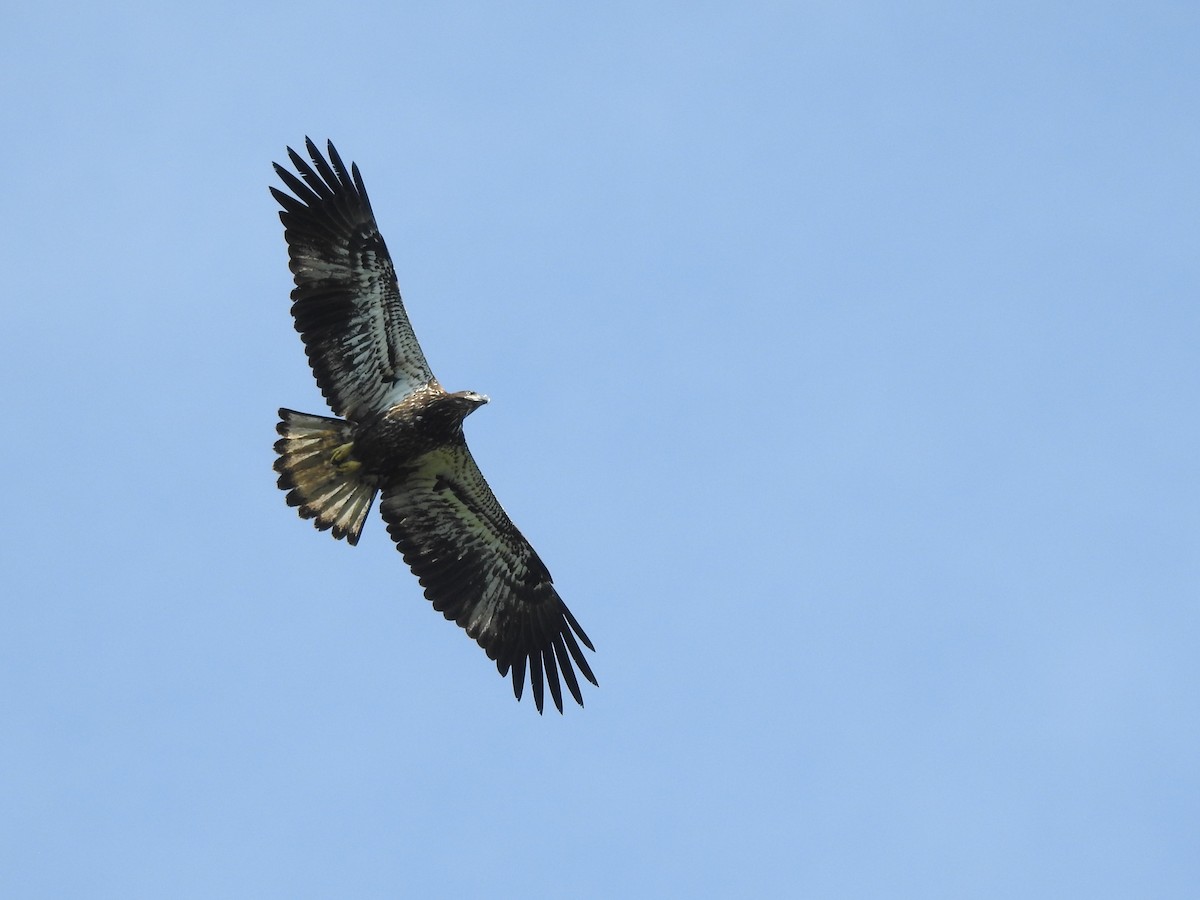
{"x": 401, "y": 435}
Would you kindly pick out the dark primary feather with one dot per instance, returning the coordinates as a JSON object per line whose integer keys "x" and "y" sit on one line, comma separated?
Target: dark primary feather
{"x": 479, "y": 571}
{"x": 347, "y": 304}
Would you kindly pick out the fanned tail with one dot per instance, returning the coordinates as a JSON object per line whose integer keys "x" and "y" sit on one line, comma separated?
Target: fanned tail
{"x": 331, "y": 492}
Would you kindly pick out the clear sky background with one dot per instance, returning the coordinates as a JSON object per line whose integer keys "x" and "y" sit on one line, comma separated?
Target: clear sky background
{"x": 843, "y": 365}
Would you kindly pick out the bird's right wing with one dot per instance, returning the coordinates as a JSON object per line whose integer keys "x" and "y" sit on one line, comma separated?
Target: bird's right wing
{"x": 479, "y": 571}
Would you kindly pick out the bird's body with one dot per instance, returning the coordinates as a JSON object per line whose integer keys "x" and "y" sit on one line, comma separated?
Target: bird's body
{"x": 401, "y": 435}
{"x": 396, "y": 438}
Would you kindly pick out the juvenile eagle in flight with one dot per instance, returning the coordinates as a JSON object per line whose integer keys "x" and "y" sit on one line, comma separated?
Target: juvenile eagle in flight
{"x": 401, "y": 434}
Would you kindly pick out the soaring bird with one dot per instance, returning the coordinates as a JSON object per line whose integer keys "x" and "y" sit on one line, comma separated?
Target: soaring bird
{"x": 400, "y": 434}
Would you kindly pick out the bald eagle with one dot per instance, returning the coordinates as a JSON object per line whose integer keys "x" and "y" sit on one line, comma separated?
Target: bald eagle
{"x": 400, "y": 434}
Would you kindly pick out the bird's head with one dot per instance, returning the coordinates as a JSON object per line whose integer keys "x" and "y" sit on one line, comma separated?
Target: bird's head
{"x": 469, "y": 401}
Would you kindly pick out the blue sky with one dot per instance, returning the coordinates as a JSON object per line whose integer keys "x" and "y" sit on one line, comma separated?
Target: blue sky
{"x": 843, "y": 370}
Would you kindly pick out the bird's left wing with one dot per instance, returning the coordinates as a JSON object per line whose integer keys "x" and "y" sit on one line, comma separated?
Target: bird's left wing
{"x": 346, "y": 302}
{"x": 479, "y": 571}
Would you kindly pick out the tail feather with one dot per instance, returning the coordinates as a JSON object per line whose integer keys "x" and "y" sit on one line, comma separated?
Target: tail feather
{"x": 333, "y": 497}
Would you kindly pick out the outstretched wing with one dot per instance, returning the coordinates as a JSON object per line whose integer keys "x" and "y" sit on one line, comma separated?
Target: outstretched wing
{"x": 479, "y": 571}
{"x": 346, "y": 303}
